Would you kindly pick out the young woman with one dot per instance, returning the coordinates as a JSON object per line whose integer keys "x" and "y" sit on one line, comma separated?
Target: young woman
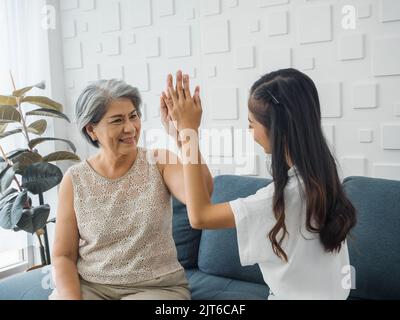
{"x": 296, "y": 227}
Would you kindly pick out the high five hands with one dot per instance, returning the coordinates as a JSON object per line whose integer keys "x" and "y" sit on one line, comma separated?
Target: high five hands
{"x": 179, "y": 106}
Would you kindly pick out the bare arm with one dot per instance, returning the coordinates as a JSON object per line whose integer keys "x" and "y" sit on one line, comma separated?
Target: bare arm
{"x": 65, "y": 250}
{"x": 172, "y": 172}
{"x": 186, "y": 111}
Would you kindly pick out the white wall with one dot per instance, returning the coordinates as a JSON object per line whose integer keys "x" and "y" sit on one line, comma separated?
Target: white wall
{"x": 225, "y": 45}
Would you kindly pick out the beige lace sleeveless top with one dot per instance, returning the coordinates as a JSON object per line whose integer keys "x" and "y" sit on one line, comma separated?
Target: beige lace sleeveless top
{"x": 125, "y": 224}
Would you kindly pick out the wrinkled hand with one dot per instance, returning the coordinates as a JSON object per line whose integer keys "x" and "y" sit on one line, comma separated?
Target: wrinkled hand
{"x": 183, "y": 109}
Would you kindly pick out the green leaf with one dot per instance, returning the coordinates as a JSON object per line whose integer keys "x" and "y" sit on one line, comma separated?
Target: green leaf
{"x": 21, "y": 92}
{"x": 8, "y": 196}
{"x": 40, "y": 177}
{"x": 6, "y": 177}
{"x": 9, "y": 114}
{"x": 38, "y": 127}
{"x": 5, "y": 216}
{"x": 34, "y": 219}
{"x": 15, "y": 153}
{"x": 8, "y": 101}
{"x": 24, "y": 160}
{"x": 47, "y": 113}
{"x": 43, "y": 102}
{"x": 3, "y": 127}
{"x": 35, "y": 142}
{"x": 61, "y": 155}
{"x": 9, "y": 133}
{"x": 18, "y": 206}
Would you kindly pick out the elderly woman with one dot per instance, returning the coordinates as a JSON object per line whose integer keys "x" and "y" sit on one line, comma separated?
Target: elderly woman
{"x": 113, "y": 236}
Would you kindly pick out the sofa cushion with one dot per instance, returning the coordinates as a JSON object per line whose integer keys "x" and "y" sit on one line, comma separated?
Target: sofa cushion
{"x": 32, "y": 285}
{"x": 374, "y": 249}
{"x": 209, "y": 287}
{"x": 186, "y": 239}
{"x": 218, "y": 253}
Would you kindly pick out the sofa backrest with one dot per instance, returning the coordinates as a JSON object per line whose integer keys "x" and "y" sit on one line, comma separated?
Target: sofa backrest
{"x": 374, "y": 247}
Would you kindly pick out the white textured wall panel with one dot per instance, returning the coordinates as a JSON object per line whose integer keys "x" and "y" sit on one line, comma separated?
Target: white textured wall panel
{"x": 137, "y": 74}
{"x": 269, "y": 3}
{"x": 365, "y": 95}
{"x": 178, "y": 42}
{"x": 386, "y": 53}
{"x": 275, "y": 58}
{"x": 210, "y": 7}
{"x": 387, "y": 171}
{"x": 330, "y": 95}
{"x": 390, "y": 10}
{"x": 245, "y": 57}
{"x": 391, "y": 136}
{"x": 215, "y": 36}
{"x": 354, "y": 166}
{"x": 351, "y": 47}
{"x": 72, "y": 54}
{"x": 277, "y": 23}
{"x": 224, "y": 104}
{"x": 166, "y": 7}
{"x": 314, "y": 23}
{"x": 140, "y": 13}
{"x": 110, "y": 16}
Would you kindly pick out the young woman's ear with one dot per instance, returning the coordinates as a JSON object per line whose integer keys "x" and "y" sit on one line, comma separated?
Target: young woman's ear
{"x": 90, "y": 132}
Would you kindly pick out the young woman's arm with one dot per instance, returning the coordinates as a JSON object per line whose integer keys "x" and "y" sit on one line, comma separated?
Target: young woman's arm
{"x": 65, "y": 250}
{"x": 172, "y": 172}
{"x": 186, "y": 111}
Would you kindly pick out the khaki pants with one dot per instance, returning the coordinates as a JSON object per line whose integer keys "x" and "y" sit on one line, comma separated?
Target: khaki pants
{"x": 173, "y": 286}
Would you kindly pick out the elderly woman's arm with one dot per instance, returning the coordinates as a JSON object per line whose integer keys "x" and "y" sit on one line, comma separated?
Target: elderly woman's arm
{"x": 172, "y": 171}
{"x": 65, "y": 250}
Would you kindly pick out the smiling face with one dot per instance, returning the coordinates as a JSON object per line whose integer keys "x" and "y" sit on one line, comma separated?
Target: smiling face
{"x": 118, "y": 131}
{"x": 259, "y": 133}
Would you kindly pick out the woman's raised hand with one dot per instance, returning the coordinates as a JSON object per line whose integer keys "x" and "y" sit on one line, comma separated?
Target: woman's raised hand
{"x": 183, "y": 108}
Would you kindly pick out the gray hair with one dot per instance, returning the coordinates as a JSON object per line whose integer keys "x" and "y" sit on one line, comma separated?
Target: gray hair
{"x": 92, "y": 103}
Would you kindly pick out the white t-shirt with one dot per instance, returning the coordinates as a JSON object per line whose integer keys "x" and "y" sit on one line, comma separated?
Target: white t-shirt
{"x": 311, "y": 272}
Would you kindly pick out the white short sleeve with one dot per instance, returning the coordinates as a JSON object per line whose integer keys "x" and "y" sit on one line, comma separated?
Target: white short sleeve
{"x": 254, "y": 219}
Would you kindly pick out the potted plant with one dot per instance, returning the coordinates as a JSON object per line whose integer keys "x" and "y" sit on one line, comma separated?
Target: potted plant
{"x": 24, "y": 172}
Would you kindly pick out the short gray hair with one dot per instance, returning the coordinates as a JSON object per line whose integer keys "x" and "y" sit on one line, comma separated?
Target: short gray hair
{"x": 92, "y": 103}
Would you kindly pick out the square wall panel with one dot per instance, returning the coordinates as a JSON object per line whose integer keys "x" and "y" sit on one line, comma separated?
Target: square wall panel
{"x": 152, "y": 47}
{"x": 385, "y": 56}
{"x": 364, "y": 11}
{"x": 330, "y": 96}
{"x": 314, "y": 23}
{"x": 245, "y": 57}
{"x": 166, "y": 8}
{"x": 215, "y": 36}
{"x": 72, "y": 54}
{"x": 354, "y": 166}
{"x": 109, "y": 71}
{"x": 224, "y": 104}
{"x": 277, "y": 23}
{"x": 111, "y": 46}
{"x": 390, "y": 10}
{"x": 351, "y": 47}
{"x": 365, "y": 95}
{"x": 365, "y": 135}
{"x": 87, "y": 5}
{"x": 269, "y": 3}
{"x": 329, "y": 134}
{"x": 68, "y": 29}
{"x": 389, "y": 171}
{"x": 139, "y": 13}
{"x": 68, "y": 4}
{"x": 178, "y": 42}
{"x": 137, "y": 75}
{"x": 391, "y": 136}
{"x": 110, "y": 17}
{"x": 210, "y": 7}
{"x": 276, "y": 58}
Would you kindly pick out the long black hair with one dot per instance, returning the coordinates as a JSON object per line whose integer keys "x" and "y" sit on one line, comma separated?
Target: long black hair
{"x": 286, "y": 103}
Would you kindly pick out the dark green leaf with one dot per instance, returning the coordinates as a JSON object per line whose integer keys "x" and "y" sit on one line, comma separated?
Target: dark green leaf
{"x": 9, "y": 196}
{"x": 21, "y": 92}
{"x": 33, "y": 219}
{"x": 24, "y": 160}
{"x": 18, "y": 206}
{"x": 9, "y": 133}
{"x": 6, "y": 177}
{"x": 61, "y": 155}
{"x": 35, "y": 142}
{"x": 8, "y": 101}
{"x": 9, "y": 114}
{"x": 5, "y": 216}
{"x": 43, "y": 102}
{"x": 38, "y": 127}
{"x": 48, "y": 113}
{"x": 40, "y": 177}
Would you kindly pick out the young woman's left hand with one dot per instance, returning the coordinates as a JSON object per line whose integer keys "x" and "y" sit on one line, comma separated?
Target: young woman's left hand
{"x": 183, "y": 108}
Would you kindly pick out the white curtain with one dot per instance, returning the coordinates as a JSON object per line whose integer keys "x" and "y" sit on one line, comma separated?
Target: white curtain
{"x": 24, "y": 52}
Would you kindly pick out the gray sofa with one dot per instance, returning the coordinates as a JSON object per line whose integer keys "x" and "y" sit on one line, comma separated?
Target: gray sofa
{"x": 211, "y": 259}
